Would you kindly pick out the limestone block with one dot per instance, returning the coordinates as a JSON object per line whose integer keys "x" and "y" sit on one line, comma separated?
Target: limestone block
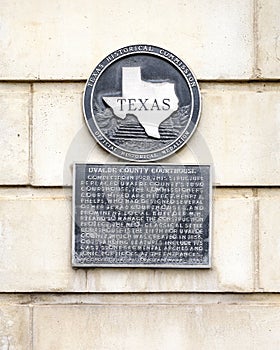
{"x": 269, "y": 241}
{"x": 268, "y": 39}
{"x": 14, "y": 327}
{"x": 51, "y": 40}
{"x": 14, "y": 126}
{"x": 35, "y": 249}
{"x": 60, "y": 134}
{"x": 240, "y": 129}
{"x": 57, "y": 118}
{"x": 157, "y": 327}
{"x": 236, "y": 122}
{"x": 232, "y": 257}
{"x": 35, "y": 241}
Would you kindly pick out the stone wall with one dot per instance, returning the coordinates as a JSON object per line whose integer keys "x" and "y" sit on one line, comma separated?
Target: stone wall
{"x": 48, "y": 50}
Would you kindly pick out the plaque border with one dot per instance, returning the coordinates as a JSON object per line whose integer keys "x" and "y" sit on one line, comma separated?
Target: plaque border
{"x": 117, "y": 151}
{"x": 153, "y": 266}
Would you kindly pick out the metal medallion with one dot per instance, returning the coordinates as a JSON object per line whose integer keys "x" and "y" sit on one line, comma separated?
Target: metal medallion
{"x": 142, "y": 103}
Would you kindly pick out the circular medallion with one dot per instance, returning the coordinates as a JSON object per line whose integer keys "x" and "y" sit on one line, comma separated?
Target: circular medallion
{"x": 142, "y": 103}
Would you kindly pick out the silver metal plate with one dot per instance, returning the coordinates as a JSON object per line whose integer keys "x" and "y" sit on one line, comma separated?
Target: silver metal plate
{"x": 142, "y": 215}
{"x": 142, "y": 103}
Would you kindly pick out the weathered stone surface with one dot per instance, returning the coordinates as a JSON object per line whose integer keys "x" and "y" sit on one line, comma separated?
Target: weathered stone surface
{"x": 233, "y": 305}
{"x": 57, "y": 119}
{"x": 35, "y": 253}
{"x": 64, "y": 41}
{"x": 235, "y": 124}
{"x": 14, "y": 125}
{"x": 232, "y": 257}
{"x": 35, "y": 242}
{"x": 52, "y": 299}
{"x": 216, "y": 326}
{"x": 268, "y": 45}
{"x": 60, "y": 134}
{"x": 14, "y": 327}
{"x": 269, "y": 240}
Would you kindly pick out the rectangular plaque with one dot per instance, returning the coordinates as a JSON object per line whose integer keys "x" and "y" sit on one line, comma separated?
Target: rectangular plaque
{"x": 141, "y": 215}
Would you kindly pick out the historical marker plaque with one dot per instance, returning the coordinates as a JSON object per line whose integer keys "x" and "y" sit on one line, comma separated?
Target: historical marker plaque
{"x": 142, "y": 103}
{"x": 141, "y": 215}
